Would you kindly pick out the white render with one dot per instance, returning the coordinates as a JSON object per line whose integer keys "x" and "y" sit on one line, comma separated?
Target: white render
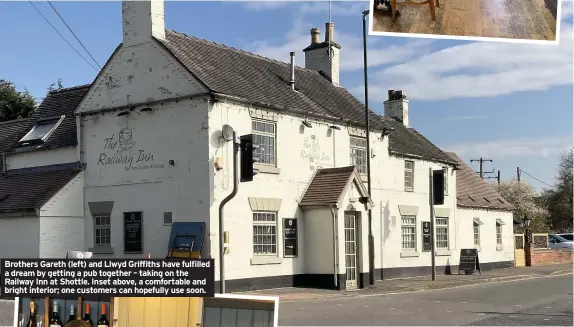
{"x": 41, "y": 158}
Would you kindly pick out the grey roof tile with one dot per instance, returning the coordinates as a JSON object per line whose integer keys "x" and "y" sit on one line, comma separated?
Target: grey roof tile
{"x": 264, "y": 81}
{"x": 473, "y": 191}
{"x": 30, "y": 188}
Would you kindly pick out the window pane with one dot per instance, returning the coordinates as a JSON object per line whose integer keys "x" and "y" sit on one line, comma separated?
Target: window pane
{"x": 408, "y": 232}
{"x": 40, "y": 130}
{"x": 264, "y": 233}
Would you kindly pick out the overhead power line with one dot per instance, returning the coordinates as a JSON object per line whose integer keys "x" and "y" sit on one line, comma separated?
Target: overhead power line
{"x": 74, "y": 34}
{"x": 534, "y": 178}
{"x": 63, "y": 38}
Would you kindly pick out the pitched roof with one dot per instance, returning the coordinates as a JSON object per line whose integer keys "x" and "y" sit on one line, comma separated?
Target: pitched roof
{"x": 473, "y": 191}
{"x": 40, "y": 185}
{"x": 11, "y": 132}
{"x": 328, "y": 184}
{"x": 56, "y": 103}
{"x": 263, "y": 81}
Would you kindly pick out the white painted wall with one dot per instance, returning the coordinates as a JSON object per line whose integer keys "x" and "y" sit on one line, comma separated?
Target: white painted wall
{"x": 317, "y": 235}
{"x": 287, "y": 181}
{"x": 488, "y": 250}
{"x": 174, "y": 131}
{"x": 62, "y": 221}
{"x": 19, "y": 238}
{"x": 41, "y": 158}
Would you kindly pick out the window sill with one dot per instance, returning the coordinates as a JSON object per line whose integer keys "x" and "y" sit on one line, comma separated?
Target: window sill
{"x": 266, "y": 260}
{"x": 102, "y": 250}
{"x": 442, "y": 252}
{"x": 499, "y": 247}
{"x": 409, "y": 254}
{"x": 265, "y": 169}
{"x": 409, "y": 190}
{"x": 364, "y": 178}
{"x": 478, "y": 248}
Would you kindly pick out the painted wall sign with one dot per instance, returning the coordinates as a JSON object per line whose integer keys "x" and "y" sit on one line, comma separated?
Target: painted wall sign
{"x": 426, "y": 234}
{"x": 312, "y": 151}
{"x": 133, "y": 236}
{"x": 290, "y": 237}
{"x": 120, "y": 149}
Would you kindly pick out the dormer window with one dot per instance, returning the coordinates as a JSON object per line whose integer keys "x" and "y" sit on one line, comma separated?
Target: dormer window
{"x": 40, "y": 132}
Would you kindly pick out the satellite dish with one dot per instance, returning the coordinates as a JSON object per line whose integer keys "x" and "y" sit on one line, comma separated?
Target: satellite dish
{"x": 227, "y": 133}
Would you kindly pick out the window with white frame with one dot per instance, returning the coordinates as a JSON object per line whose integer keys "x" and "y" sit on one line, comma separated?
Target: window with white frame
{"x": 441, "y": 233}
{"x": 264, "y": 141}
{"x": 102, "y": 231}
{"x": 498, "y": 233}
{"x": 409, "y": 175}
{"x": 409, "y": 232}
{"x": 358, "y": 149}
{"x": 476, "y": 228}
{"x": 265, "y": 233}
{"x": 445, "y": 171}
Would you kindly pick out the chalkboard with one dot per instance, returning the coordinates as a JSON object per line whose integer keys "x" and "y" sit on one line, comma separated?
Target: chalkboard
{"x": 133, "y": 232}
{"x": 290, "y": 237}
{"x": 469, "y": 261}
{"x": 426, "y": 234}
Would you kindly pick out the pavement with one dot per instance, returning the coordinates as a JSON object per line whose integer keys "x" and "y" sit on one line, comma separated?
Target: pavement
{"x": 540, "y": 301}
{"x": 417, "y": 284}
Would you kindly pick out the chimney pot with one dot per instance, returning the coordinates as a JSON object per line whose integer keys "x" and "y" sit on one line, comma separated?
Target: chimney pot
{"x": 391, "y": 92}
{"x": 315, "y": 35}
{"x": 329, "y": 32}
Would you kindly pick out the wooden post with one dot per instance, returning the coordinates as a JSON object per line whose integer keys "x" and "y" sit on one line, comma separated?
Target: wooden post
{"x": 46, "y": 311}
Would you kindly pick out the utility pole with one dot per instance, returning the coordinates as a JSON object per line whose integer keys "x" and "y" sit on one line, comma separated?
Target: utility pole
{"x": 497, "y": 177}
{"x": 518, "y": 174}
{"x": 481, "y": 162}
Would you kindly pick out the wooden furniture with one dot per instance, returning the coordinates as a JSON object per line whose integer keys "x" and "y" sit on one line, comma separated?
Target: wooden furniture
{"x": 431, "y": 3}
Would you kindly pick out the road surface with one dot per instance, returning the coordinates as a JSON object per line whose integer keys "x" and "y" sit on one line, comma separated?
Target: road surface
{"x": 534, "y": 302}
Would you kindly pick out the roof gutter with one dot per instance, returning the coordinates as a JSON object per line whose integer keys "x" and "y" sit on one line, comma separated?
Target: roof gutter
{"x": 20, "y": 213}
{"x": 140, "y": 104}
{"x": 221, "y": 96}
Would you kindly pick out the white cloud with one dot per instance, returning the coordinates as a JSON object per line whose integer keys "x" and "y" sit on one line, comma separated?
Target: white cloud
{"x": 466, "y": 70}
{"x": 523, "y": 147}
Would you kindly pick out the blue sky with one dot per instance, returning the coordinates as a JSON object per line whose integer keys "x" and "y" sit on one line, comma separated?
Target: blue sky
{"x": 508, "y": 102}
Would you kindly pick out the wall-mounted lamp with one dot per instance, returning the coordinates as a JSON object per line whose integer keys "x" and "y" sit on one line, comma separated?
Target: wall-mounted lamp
{"x": 307, "y": 124}
{"x": 335, "y": 127}
{"x": 123, "y": 113}
{"x": 146, "y": 109}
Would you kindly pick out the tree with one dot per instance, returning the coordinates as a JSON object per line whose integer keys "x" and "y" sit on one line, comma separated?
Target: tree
{"x": 524, "y": 199}
{"x": 15, "y": 104}
{"x": 558, "y": 200}
{"x": 56, "y": 86}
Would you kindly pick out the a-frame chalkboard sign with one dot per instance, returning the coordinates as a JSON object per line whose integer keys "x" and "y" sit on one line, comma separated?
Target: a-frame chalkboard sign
{"x": 469, "y": 262}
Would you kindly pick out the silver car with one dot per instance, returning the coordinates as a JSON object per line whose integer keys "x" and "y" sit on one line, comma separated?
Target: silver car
{"x": 561, "y": 241}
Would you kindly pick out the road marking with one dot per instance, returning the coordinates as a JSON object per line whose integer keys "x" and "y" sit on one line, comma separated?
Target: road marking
{"x": 546, "y": 319}
{"x": 366, "y": 306}
{"x": 518, "y": 305}
{"x": 448, "y": 311}
{"x": 437, "y": 301}
{"x": 420, "y": 309}
{"x": 510, "y": 316}
{"x": 547, "y": 308}
{"x": 481, "y": 314}
{"x": 464, "y": 302}
{"x": 392, "y": 308}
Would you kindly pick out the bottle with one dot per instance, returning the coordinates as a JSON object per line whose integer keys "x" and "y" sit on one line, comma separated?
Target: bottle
{"x": 87, "y": 318}
{"x": 103, "y": 322}
{"x": 72, "y": 313}
{"x": 32, "y": 317}
{"x": 55, "y": 320}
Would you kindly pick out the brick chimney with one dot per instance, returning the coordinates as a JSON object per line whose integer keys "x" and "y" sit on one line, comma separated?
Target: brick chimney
{"x": 142, "y": 20}
{"x": 397, "y": 106}
{"x": 317, "y": 54}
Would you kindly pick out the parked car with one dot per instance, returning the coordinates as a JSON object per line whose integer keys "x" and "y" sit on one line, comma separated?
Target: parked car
{"x": 561, "y": 241}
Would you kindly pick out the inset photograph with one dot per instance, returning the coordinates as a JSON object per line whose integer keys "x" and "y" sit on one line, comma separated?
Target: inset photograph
{"x": 222, "y": 310}
{"x": 494, "y": 20}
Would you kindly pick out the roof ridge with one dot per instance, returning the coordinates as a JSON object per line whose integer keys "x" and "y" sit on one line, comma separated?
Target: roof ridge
{"x": 17, "y": 120}
{"x": 241, "y": 51}
{"x": 69, "y": 89}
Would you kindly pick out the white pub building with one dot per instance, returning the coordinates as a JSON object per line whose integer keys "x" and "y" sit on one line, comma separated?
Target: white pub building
{"x": 125, "y": 165}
